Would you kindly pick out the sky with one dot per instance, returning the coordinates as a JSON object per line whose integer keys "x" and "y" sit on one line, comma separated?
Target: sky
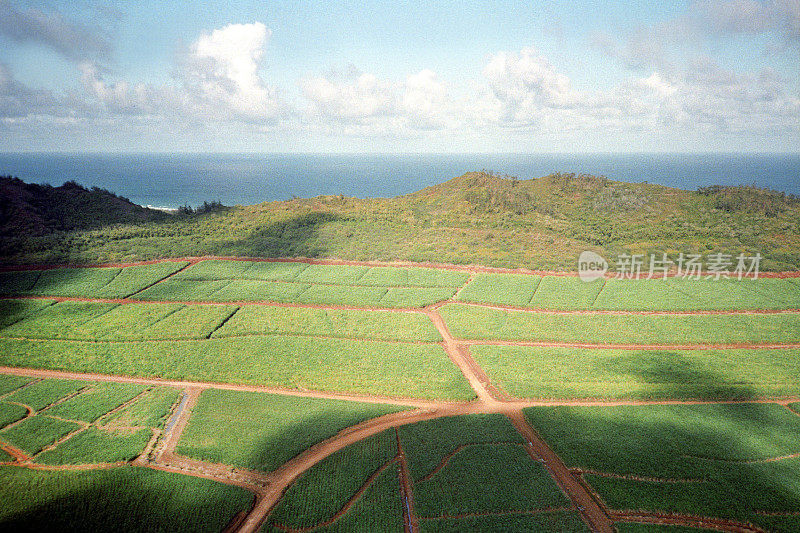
{"x": 394, "y": 76}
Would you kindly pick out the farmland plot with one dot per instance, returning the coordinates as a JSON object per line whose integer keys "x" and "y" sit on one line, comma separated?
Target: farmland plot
{"x": 123, "y": 499}
{"x": 727, "y": 461}
{"x": 320, "y": 497}
{"x": 469, "y": 322}
{"x": 263, "y": 431}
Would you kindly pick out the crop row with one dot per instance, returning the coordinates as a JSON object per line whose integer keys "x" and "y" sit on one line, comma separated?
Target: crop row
{"x": 294, "y": 292}
{"x": 544, "y": 372}
{"x": 569, "y": 292}
{"x": 262, "y": 431}
{"x": 214, "y": 270}
{"x": 715, "y": 460}
{"x": 368, "y": 367}
{"x": 116, "y": 322}
{"x": 472, "y": 322}
{"x": 122, "y": 414}
{"x": 105, "y": 282}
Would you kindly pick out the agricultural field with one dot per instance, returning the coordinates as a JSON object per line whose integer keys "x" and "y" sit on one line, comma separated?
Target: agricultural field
{"x": 480, "y": 323}
{"x": 263, "y": 431}
{"x": 557, "y": 373}
{"x": 737, "y": 462}
{"x": 672, "y": 294}
{"x": 289, "y": 395}
{"x": 106, "y": 282}
{"x": 361, "y": 286}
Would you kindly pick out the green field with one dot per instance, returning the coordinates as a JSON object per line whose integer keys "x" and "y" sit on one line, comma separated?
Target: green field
{"x": 122, "y": 499}
{"x": 343, "y": 365}
{"x": 378, "y": 325}
{"x": 474, "y": 464}
{"x": 470, "y": 322}
{"x": 357, "y": 286}
{"x": 673, "y": 294}
{"x": 214, "y": 270}
{"x": 106, "y": 282}
{"x": 41, "y": 394}
{"x": 707, "y": 460}
{"x": 107, "y": 321}
{"x": 97, "y": 401}
{"x": 543, "y": 372}
{"x": 325, "y": 489}
{"x": 468, "y": 473}
{"x": 263, "y": 431}
{"x": 33, "y": 434}
{"x": 105, "y": 422}
{"x": 295, "y": 292}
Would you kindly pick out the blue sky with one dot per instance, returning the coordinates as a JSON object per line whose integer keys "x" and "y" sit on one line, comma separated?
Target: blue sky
{"x": 347, "y": 76}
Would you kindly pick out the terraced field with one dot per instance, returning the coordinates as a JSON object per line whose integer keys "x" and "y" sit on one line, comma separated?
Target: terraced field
{"x": 312, "y": 395}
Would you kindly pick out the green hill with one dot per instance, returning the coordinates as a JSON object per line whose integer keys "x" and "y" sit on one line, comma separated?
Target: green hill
{"x": 477, "y": 218}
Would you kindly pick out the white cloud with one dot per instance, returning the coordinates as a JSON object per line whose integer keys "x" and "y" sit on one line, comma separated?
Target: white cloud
{"x": 366, "y": 103}
{"x": 220, "y": 73}
{"x": 659, "y": 85}
{"x": 358, "y": 99}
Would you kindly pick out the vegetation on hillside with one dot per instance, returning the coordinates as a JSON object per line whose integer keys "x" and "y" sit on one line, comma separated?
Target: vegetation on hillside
{"x": 478, "y": 218}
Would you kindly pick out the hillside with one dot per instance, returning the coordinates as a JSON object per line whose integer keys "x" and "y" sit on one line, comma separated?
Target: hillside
{"x": 35, "y": 210}
{"x": 477, "y": 218}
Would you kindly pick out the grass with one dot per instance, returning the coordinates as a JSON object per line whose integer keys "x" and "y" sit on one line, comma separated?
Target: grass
{"x": 11, "y": 383}
{"x": 690, "y": 294}
{"x": 321, "y": 491}
{"x": 717, "y": 450}
{"x": 103, "y": 321}
{"x": 10, "y": 413}
{"x": 263, "y": 431}
{"x": 469, "y": 322}
{"x": 149, "y": 410}
{"x": 565, "y": 292}
{"x": 489, "y": 472}
{"x": 550, "y": 522}
{"x": 43, "y": 393}
{"x": 538, "y": 372}
{"x": 427, "y": 443}
{"x": 37, "y": 432}
{"x": 340, "y": 365}
{"x": 673, "y": 294}
{"x": 124, "y": 499}
{"x": 96, "y": 445}
{"x": 504, "y": 289}
{"x": 105, "y": 282}
{"x": 97, "y": 401}
{"x": 238, "y": 290}
{"x": 383, "y": 325}
{"x": 12, "y": 311}
{"x": 487, "y": 478}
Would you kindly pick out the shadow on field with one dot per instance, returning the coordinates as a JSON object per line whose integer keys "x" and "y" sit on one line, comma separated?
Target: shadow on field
{"x": 124, "y": 499}
{"x": 673, "y": 375}
{"x": 298, "y": 236}
{"x": 721, "y": 448}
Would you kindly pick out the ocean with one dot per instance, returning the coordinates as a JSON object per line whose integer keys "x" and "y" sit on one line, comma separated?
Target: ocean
{"x": 172, "y": 180}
